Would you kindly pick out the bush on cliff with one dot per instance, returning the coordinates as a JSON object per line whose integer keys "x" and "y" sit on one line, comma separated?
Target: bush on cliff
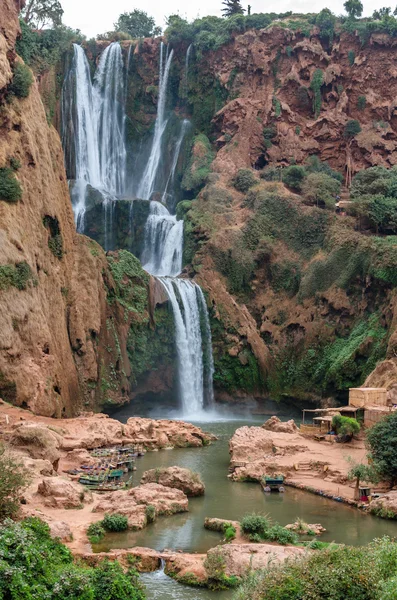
{"x": 10, "y": 188}
{"x": 22, "y": 81}
{"x": 293, "y": 177}
{"x": 244, "y": 180}
{"x": 13, "y": 480}
{"x": 342, "y": 573}
{"x": 33, "y": 565}
{"x": 321, "y": 189}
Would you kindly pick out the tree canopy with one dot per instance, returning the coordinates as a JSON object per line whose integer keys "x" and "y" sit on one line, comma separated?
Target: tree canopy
{"x": 42, "y": 13}
{"x": 138, "y": 24}
{"x": 382, "y": 443}
{"x": 354, "y": 8}
{"x": 232, "y": 7}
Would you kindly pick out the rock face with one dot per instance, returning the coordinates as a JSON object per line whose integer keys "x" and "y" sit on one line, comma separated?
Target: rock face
{"x": 62, "y": 493}
{"x": 176, "y": 477}
{"x": 144, "y": 503}
{"x": 275, "y": 424}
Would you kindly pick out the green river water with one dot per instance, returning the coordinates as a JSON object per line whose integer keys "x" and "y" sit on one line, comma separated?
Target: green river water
{"x": 231, "y": 500}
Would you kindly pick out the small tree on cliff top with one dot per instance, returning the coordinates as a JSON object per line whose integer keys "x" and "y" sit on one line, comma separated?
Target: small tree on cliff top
{"x": 138, "y": 24}
{"x": 232, "y": 7}
{"x": 354, "y": 8}
{"x": 41, "y": 13}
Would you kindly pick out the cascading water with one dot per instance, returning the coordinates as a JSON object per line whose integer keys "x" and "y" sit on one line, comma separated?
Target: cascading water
{"x": 146, "y": 186}
{"x": 162, "y": 253}
{"x": 185, "y": 127}
{"x": 186, "y": 300}
{"x": 96, "y": 139}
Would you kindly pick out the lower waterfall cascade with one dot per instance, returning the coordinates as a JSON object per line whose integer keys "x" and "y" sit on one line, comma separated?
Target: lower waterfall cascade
{"x": 94, "y": 126}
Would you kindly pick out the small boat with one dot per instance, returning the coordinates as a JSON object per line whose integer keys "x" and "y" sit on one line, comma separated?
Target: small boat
{"x": 273, "y": 483}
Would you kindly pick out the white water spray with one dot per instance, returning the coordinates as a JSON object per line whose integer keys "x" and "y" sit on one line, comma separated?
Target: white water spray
{"x": 146, "y": 186}
{"x": 184, "y": 129}
{"x": 162, "y": 253}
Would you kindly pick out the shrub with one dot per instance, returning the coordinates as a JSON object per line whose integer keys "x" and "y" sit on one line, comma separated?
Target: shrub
{"x": 115, "y": 522}
{"x": 254, "y": 524}
{"x": 33, "y": 565}
{"x": 10, "y": 188}
{"x": 55, "y": 241}
{"x": 244, "y": 180}
{"x": 293, "y": 176}
{"x": 278, "y": 533}
{"x": 15, "y": 164}
{"x": 321, "y": 189}
{"x": 351, "y": 129}
{"x": 383, "y": 449}
{"x": 150, "y": 513}
{"x": 315, "y": 85}
{"x": 22, "y": 81}
{"x": 314, "y": 165}
{"x": 361, "y": 102}
{"x": 325, "y": 21}
{"x": 17, "y": 276}
{"x": 351, "y": 56}
{"x": 270, "y": 173}
{"x": 13, "y": 480}
{"x": 230, "y": 532}
{"x": 345, "y": 425}
{"x": 95, "y": 532}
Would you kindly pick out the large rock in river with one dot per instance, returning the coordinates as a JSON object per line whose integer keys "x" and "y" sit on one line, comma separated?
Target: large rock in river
{"x": 385, "y": 506}
{"x": 144, "y": 503}
{"x": 176, "y": 477}
{"x": 275, "y": 424}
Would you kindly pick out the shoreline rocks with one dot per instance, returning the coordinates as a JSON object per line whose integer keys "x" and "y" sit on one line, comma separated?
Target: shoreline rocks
{"x": 187, "y": 481}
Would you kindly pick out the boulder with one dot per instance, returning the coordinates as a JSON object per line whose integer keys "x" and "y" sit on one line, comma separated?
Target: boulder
{"x": 176, "y": 477}
{"x": 134, "y": 503}
{"x": 162, "y": 433}
{"x": 303, "y": 528}
{"x": 241, "y": 558}
{"x": 385, "y": 506}
{"x": 60, "y": 530}
{"x": 38, "y": 441}
{"x": 58, "y": 492}
{"x": 275, "y": 424}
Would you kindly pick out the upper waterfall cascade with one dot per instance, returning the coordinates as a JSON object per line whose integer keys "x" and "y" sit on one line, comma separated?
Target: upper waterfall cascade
{"x": 94, "y": 127}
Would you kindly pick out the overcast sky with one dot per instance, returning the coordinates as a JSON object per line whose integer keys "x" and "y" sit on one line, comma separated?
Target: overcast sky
{"x": 97, "y": 16}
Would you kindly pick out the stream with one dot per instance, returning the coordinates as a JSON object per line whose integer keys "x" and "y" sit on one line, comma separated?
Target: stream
{"x": 231, "y": 500}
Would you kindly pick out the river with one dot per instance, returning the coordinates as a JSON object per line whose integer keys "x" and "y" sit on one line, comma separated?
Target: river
{"x": 231, "y": 500}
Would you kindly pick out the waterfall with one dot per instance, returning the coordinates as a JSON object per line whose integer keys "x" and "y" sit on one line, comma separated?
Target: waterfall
{"x": 177, "y": 150}
{"x": 162, "y": 253}
{"x": 146, "y": 186}
{"x": 185, "y": 84}
{"x": 97, "y": 136}
{"x": 185, "y": 298}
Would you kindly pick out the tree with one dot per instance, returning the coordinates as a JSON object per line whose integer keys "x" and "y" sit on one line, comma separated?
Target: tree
{"x": 361, "y": 472}
{"x": 41, "y": 13}
{"x": 382, "y": 12}
{"x": 345, "y": 426}
{"x": 232, "y": 7}
{"x": 137, "y": 24}
{"x": 320, "y": 188}
{"x": 293, "y": 176}
{"x": 354, "y": 8}
{"x": 325, "y": 21}
{"x": 382, "y": 444}
{"x": 352, "y": 128}
{"x": 13, "y": 480}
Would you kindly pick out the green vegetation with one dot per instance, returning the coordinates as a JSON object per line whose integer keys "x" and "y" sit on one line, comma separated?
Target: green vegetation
{"x": 34, "y": 565}
{"x": 244, "y": 180}
{"x": 315, "y": 85}
{"x": 382, "y": 448}
{"x": 374, "y": 191}
{"x": 293, "y": 177}
{"x": 137, "y": 24}
{"x": 215, "y": 565}
{"x": 131, "y": 282}
{"x": 354, "y": 8}
{"x": 150, "y": 512}
{"x": 13, "y": 480}
{"x": 95, "y": 532}
{"x": 260, "y": 528}
{"x": 345, "y": 426}
{"x": 115, "y": 522}
{"x": 361, "y": 102}
{"x": 340, "y": 573}
{"x": 198, "y": 169}
{"x": 10, "y": 188}
{"x": 325, "y": 21}
{"x": 18, "y": 276}
{"x": 232, "y": 7}
{"x": 230, "y": 532}
{"x": 42, "y": 13}
{"x": 351, "y": 55}
{"x": 320, "y": 189}
{"x": 352, "y": 128}
{"x": 55, "y": 242}
{"x": 21, "y": 82}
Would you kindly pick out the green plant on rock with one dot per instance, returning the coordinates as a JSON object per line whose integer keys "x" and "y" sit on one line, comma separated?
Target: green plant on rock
{"x": 244, "y": 180}
{"x": 351, "y": 56}
{"x": 18, "y": 276}
{"x": 294, "y": 176}
{"x": 321, "y": 189}
{"x": 230, "y": 532}
{"x": 351, "y": 129}
{"x": 55, "y": 241}
{"x": 10, "y": 188}
{"x": 325, "y": 21}
{"x": 198, "y": 169}
{"x": 13, "y": 480}
{"x": 115, "y": 522}
{"x": 315, "y": 85}
{"x": 361, "y": 102}
{"x": 95, "y": 532}
{"x": 150, "y": 512}
{"x": 22, "y": 81}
